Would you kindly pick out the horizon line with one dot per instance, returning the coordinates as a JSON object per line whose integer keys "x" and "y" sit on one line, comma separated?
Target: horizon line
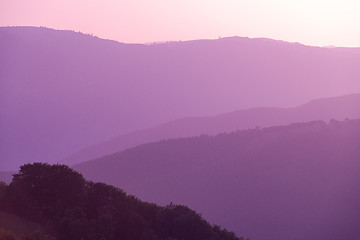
{"x": 179, "y": 41}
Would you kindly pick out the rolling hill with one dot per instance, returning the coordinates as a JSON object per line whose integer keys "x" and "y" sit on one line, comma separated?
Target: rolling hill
{"x": 297, "y": 182}
{"x": 321, "y": 109}
{"x": 62, "y": 91}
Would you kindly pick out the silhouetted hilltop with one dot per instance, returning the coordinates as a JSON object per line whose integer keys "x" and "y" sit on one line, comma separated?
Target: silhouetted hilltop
{"x": 62, "y": 91}
{"x": 288, "y": 182}
{"x": 321, "y": 109}
{"x": 71, "y": 208}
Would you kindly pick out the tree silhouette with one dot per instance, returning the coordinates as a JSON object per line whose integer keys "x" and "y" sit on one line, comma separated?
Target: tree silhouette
{"x": 71, "y": 208}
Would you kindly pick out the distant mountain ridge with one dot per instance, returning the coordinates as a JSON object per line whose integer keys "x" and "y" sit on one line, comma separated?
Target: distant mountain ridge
{"x": 302, "y": 178}
{"x": 321, "y": 109}
{"x": 62, "y": 91}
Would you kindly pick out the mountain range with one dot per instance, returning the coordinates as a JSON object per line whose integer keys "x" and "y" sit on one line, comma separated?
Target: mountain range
{"x": 62, "y": 91}
{"x": 297, "y": 182}
{"x": 320, "y": 109}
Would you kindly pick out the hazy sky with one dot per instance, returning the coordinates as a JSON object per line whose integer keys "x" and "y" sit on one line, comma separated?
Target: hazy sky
{"x": 313, "y": 22}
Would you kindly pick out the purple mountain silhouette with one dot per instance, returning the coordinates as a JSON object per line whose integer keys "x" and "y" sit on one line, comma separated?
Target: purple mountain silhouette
{"x": 62, "y": 91}
{"x": 321, "y": 109}
{"x": 290, "y": 182}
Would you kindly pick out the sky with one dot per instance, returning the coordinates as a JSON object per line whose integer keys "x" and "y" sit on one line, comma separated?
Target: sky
{"x": 311, "y": 22}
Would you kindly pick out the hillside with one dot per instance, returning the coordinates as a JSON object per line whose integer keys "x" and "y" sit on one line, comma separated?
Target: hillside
{"x": 70, "y": 208}
{"x": 302, "y": 177}
{"x": 62, "y": 91}
{"x": 321, "y": 109}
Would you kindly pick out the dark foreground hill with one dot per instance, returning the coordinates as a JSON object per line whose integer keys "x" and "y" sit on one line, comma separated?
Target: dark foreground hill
{"x": 61, "y": 91}
{"x": 68, "y": 207}
{"x": 289, "y": 182}
{"x": 320, "y": 109}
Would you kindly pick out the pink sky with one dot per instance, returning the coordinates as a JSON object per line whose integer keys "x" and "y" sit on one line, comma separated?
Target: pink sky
{"x": 312, "y": 22}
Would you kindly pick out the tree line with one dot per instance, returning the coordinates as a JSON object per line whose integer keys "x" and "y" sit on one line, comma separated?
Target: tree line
{"x": 71, "y": 208}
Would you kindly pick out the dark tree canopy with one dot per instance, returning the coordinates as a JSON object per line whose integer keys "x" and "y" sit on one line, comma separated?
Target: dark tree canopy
{"x": 69, "y": 207}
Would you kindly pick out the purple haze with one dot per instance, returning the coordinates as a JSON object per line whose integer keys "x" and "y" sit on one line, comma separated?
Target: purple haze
{"x": 291, "y": 182}
{"x": 62, "y": 91}
{"x": 322, "y": 109}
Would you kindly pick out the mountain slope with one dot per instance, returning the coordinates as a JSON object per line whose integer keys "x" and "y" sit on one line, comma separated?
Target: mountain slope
{"x": 321, "y": 109}
{"x": 62, "y": 91}
{"x": 290, "y": 182}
